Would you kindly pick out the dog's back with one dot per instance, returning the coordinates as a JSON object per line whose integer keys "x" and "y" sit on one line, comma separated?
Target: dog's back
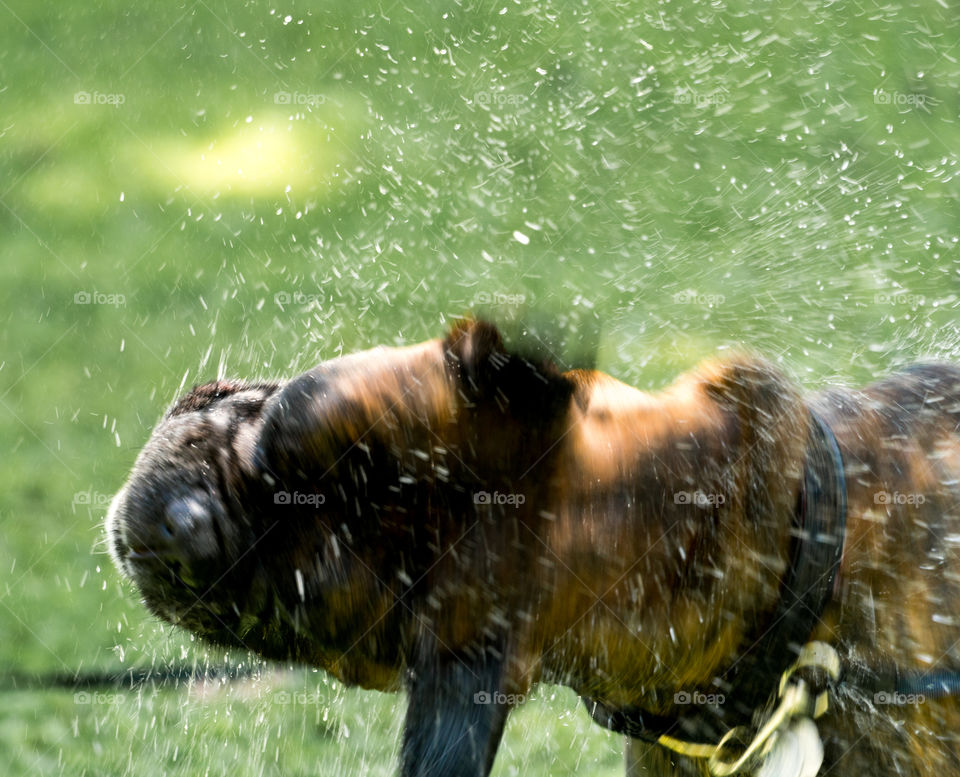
{"x": 897, "y": 605}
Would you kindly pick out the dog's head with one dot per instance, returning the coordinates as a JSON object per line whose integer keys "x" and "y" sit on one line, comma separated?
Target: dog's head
{"x": 178, "y": 526}
{"x": 317, "y": 500}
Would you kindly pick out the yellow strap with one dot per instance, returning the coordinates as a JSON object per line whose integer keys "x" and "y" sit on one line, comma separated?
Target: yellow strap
{"x": 690, "y": 749}
{"x": 794, "y": 700}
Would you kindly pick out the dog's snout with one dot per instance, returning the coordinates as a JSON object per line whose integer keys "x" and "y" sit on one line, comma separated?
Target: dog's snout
{"x": 184, "y": 532}
{"x": 184, "y": 518}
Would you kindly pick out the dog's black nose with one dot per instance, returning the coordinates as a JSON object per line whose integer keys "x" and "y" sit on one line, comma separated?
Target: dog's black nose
{"x": 186, "y": 519}
{"x": 184, "y": 532}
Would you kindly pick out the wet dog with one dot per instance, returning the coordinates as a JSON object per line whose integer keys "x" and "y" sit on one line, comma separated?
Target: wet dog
{"x": 462, "y": 521}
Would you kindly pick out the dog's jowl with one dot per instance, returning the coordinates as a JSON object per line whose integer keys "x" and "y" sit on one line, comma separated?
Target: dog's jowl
{"x": 462, "y": 521}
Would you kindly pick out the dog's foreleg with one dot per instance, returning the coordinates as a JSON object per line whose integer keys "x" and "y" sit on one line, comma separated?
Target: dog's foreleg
{"x": 455, "y": 716}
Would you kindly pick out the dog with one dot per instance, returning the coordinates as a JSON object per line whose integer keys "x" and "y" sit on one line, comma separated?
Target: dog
{"x": 461, "y": 520}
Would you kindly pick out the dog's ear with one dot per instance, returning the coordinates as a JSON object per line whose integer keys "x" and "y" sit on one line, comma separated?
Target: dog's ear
{"x": 347, "y": 412}
{"x": 520, "y": 381}
{"x": 302, "y": 427}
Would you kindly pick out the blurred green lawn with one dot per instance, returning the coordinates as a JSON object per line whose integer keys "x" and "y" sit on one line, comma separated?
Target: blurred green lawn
{"x": 194, "y": 187}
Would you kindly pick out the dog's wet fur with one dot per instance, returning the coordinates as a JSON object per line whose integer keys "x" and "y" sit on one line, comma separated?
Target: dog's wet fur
{"x": 454, "y": 518}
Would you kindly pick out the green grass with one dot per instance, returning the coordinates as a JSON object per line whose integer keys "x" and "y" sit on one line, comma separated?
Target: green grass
{"x": 276, "y": 725}
{"x": 786, "y": 168}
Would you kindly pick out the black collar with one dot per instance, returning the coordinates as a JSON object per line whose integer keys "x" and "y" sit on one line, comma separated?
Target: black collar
{"x": 817, "y": 547}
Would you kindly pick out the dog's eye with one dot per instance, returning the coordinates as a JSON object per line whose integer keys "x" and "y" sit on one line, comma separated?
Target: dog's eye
{"x": 195, "y": 441}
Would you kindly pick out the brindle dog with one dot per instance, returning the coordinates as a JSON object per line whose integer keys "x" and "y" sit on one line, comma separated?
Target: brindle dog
{"x": 461, "y": 521}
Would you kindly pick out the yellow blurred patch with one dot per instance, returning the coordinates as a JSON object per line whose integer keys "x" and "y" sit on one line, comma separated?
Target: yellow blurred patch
{"x": 263, "y": 157}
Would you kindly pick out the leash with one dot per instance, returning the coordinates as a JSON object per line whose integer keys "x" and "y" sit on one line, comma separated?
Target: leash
{"x": 126, "y": 679}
